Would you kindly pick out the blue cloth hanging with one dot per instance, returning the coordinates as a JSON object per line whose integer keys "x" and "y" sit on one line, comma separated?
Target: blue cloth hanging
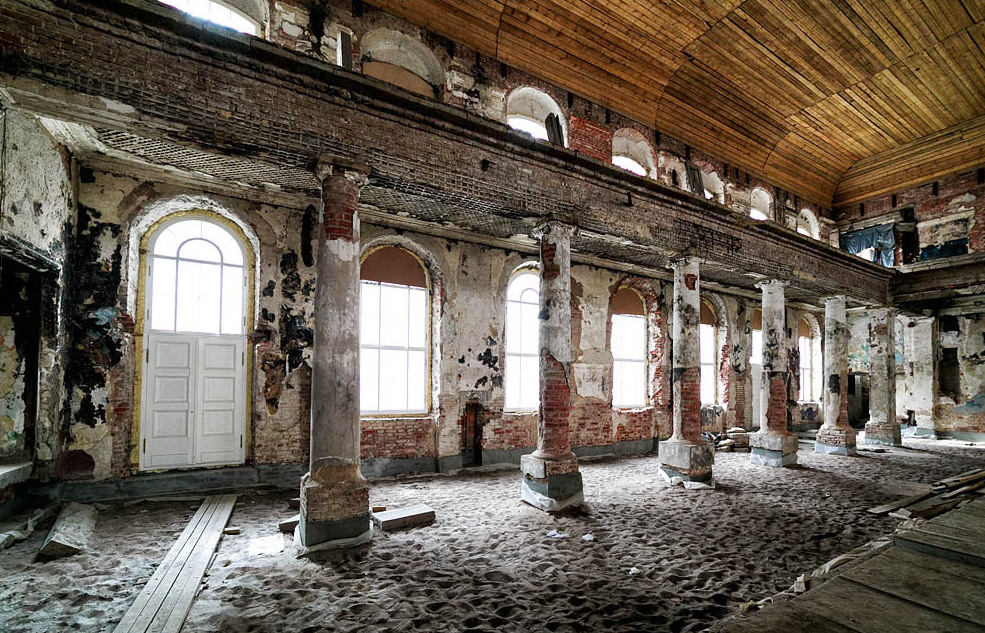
{"x": 881, "y": 238}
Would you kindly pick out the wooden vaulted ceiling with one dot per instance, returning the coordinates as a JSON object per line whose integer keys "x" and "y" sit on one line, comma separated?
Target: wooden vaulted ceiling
{"x": 834, "y": 100}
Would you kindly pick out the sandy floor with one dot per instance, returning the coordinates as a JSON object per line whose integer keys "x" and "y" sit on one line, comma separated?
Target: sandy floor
{"x": 487, "y": 563}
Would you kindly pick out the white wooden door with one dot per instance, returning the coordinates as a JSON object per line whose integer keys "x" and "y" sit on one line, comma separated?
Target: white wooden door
{"x": 193, "y": 411}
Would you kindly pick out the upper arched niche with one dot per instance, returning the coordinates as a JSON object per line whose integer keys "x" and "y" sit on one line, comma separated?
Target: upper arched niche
{"x": 527, "y": 109}
{"x": 401, "y": 60}
{"x": 248, "y": 16}
{"x": 760, "y": 204}
{"x": 713, "y": 185}
{"x": 629, "y": 145}
{"x": 807, "y": 224}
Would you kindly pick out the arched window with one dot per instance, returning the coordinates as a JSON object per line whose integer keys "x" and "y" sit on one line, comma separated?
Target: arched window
{"x": 393, "y": 333}
{"x": 711, "y": 389}
{"x": 631, "y": 152}
{"x": 807, "y": 224}
{"x": 401, "y": 60}
{"x": 713, "y": 185}
{"x": 809, "y": 346}
{"x": 760, "y": 204}
{"x": 198, "y": 279}
{"x": 527, "y": 110}
{"x": 628, "y": 341}
{"x": 217, "y": 12}
{"x": 523, "y": 342}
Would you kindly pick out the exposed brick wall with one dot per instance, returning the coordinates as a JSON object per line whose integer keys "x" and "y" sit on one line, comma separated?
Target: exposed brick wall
{"x": 397, "y": 437}
{"x": 590, "y": 139}
{"x": 632, "y": 425}
{"x": 591, "y": 423}
{"x": 510, "y": 431}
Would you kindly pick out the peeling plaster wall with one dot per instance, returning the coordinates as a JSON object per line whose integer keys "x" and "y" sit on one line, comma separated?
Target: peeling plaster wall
{"x": 37, "y": 218}
{"x": 967, "y": 415}
{"x": 13, "y": 408}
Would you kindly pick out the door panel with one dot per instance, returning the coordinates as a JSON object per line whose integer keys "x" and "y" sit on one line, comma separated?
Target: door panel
{"x": 194, "y": 409}
{"x": 222, "y": 375}
{"x": 168, "y": 400}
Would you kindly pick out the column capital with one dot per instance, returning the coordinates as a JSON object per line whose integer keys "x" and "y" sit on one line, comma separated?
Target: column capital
{"x": 686, "y": 260}
{"x": 832, "y": 298}
{"x": 554, "y": 227}
{"x": 329, "y": 165}
{"x": 772, "y": 283}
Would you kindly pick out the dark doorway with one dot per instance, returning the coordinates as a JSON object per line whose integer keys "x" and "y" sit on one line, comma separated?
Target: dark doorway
{"x": 20, "y": 344}
{"x": 471, "y": 434}
{"x": 858, "y": 400}
{"x": 949, "y": 374}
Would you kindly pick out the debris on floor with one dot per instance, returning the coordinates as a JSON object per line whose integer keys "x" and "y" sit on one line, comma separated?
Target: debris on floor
{"x": 944, "y": 495}
{"x": 70, "y": 534}
{"x": 556, "y": 534}
{"x": 403, "y": 518}
{"x": 266, "y": 545}
{"x": 19, "y": 531}
{"x": 287, "y": 525}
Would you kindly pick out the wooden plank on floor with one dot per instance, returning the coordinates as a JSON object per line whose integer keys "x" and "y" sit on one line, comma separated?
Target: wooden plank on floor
{"x": 166, "y": 599}
{"x": 783, "y": 618}
{"x": 946, "y": 586}
{"x": 959, "y": 549}
{"x": 868, "y": 610}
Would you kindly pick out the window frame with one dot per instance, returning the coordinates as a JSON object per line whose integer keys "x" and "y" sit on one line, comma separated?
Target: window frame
{"x": 513, "y": 358}
{"x": 642, "y": 360}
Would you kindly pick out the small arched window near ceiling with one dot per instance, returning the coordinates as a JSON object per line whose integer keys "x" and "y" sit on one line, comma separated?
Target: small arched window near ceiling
{"x": 393, "y": 333}
{"x": 523, "y": 342}
{"x": 807, "y": 224}
{"x": 809, "y": 347}
{"x": 760, "y": 204}
{"x": 401, "y": 60}
{"x": 713, "y": 185}
{"x": 711, "y": 389}
{"x": 198, "y": 279}
{"x": 631, "y": 152}
{"x": 528, "y": 109}
{"x": 219, "y": 13}
{"x": 628, "y": 341}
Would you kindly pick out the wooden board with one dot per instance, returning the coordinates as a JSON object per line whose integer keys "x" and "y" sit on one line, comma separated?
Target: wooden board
{"x": 960, "y": 548}
{"x": 164, "y": 603}
{"x": 869, "y": 610}
{"x": 943, "y": 585}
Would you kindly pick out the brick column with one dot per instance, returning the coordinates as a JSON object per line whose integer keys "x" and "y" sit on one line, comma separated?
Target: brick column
{"x": 836, "y": 436}
{"x": 774, "y": 445}
{"x": 882, "y": 427}
{"x": 551, "y": 480}
{"x": 686, "y": 454}
{"x": 334, "y": 495}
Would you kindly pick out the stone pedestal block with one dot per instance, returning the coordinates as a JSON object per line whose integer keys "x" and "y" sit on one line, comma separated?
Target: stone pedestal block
{"x": 835, "y": 441}
{"x": 688, "y": 460}
{"x": 883, "y": 433}
{"x": 334, "y": 513}
{"x": 772, "y": 449}
{"x": 551, "y": 484}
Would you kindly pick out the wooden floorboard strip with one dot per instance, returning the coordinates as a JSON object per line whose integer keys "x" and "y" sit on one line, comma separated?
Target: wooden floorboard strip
{"x": 129, "y": 621}
{"x": 166, "y": 598}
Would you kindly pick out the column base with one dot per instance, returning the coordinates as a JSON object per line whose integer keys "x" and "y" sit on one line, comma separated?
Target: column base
{"x": 333, "y": 515}
{"x": 551, "y": 485}
{"x": 690, "y": 462}
{"x": 773, "y": 450}
{"x": 836, "y": 441}
{"x": 883, "y": 433}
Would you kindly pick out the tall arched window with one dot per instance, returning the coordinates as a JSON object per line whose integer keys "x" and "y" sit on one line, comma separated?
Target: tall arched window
{"x": 217, "y": 12}
{"x": 527, "y": 110}
{"x": 523, "y": 342}
{"x": 714, "y": 188}
{"x": 198, "y": 279}
{"x": 393, "y": 333}
{"x": 628, "y": 341}
{"x": 809, "y": 346}
{"x": 761, "y": 201}
{"x": 711, "y": 390}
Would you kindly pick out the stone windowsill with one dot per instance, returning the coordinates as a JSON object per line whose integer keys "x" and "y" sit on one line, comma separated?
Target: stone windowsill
{"x": 11, "y": 474}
